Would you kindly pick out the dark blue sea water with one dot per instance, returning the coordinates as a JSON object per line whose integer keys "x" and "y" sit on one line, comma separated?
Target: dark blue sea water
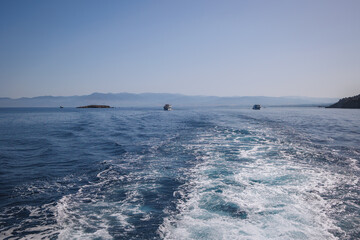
{"x": 277, "y": 173}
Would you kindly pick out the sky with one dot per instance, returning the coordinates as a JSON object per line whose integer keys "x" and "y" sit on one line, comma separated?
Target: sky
{"x": 221, "y": 48}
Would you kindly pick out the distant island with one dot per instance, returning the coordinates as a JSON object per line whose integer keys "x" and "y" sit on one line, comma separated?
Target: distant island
{"x": 95, "y": 106}
{"x": 349, "y": 102}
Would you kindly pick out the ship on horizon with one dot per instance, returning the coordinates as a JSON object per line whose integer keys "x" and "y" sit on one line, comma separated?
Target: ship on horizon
{"x": 256, "y": 107}
{"x": 167, "y": 107}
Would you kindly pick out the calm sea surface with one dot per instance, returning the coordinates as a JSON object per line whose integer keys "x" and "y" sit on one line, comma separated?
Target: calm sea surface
{"x": 277, "y": 173}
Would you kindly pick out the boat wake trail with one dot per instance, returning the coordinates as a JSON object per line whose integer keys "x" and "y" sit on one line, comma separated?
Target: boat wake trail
{"x": 184, "y": 174}
{"x": 247, "y": 185}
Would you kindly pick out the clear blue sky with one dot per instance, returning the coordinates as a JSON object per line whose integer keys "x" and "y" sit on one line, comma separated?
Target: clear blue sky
{"x": 223, "y": 48}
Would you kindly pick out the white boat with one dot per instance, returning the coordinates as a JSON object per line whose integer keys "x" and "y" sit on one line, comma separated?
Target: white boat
{"x": 167, "y": 107}
{"x": 256, "y": 107}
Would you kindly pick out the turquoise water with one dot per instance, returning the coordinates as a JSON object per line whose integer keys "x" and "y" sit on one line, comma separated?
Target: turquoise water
{"x": 277, "y": 173}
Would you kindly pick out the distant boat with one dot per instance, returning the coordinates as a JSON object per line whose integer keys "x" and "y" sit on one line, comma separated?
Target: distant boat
{"x": 61, "y": 107}
{"x": 167, "y": 107}
{"x": 256, "y": 107}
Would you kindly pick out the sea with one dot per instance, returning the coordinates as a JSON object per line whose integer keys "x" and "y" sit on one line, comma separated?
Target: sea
{"x": 190, "y": 173}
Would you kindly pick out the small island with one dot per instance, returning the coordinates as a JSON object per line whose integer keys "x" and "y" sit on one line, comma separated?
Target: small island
{"x": 349, "y": 102}
{"x": 95, "y": 106}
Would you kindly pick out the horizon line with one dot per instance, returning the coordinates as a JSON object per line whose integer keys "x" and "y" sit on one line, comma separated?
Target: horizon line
{"x": 108, "y": 93}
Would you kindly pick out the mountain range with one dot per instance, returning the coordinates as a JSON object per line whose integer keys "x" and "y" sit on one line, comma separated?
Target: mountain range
{"x": 159, "y": 99}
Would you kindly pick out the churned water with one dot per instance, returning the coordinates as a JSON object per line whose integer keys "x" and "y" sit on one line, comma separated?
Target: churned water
{"x": 277, "y": 173}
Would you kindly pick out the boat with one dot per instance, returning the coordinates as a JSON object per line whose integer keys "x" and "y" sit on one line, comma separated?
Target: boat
{"x": 61, "y": 107}
{"x": 256, "y": 107}
{"x": 167, "y": 107}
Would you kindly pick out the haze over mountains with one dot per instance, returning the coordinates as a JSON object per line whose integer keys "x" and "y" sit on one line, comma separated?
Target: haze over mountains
{"x": 159, "y": 99}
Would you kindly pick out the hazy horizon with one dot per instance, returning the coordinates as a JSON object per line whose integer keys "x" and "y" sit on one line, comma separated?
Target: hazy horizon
{"x": 209, "y": 48}
{"x": 186, "y": 95}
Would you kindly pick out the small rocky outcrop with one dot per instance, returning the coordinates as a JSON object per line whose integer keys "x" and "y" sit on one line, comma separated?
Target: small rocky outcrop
{"x": 349, "y": 102}
{"x": 95, "y": 106}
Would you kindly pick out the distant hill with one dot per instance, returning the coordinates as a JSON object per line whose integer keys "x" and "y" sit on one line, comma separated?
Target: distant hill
{"x": 349, "y": 102}
{"x": 159, "y": 99}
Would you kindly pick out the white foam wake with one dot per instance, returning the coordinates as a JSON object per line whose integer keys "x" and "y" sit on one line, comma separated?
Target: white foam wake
{"x": 251, "y": 191}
